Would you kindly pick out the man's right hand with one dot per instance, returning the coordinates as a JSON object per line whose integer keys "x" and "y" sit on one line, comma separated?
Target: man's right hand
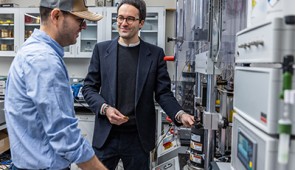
{"x": 115, "y": 117}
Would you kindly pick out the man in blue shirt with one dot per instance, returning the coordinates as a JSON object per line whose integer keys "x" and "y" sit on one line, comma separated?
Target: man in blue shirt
{"x": 39, "y": 107}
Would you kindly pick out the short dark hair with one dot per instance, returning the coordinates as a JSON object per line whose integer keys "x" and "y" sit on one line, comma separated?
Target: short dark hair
{"x": 139, "y": 4}
{"x": 44, "y": 13}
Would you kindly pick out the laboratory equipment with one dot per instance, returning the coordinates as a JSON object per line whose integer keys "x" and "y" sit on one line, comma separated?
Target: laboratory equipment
{"x": 268, "y": 42}
{"x": 257, "y": 92}
{"x": 204, "y": 61}
{"x": 254, "y": 149}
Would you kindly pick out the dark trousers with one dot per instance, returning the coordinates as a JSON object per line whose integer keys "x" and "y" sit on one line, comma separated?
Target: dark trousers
{"x": 125, "y": 146}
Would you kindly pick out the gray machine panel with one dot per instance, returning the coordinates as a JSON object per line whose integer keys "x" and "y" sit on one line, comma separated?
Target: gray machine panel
{"x": 171, "y": 164}
{"x": 179, "y": 162}
{"x": 265, "y": 43}
{"x": 164, "y": 155}
{"x": 2, "y": 116}
{"x": 257, "y": 97}
{"x": 264, "y": 154}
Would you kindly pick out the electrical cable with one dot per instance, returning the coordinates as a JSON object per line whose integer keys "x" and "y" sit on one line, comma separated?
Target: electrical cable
{"x": 156, "y": 148}
{"x": 163, "y": 137}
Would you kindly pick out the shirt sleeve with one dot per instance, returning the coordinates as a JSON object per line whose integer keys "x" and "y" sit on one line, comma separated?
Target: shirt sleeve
{"x": 47, "y": 84}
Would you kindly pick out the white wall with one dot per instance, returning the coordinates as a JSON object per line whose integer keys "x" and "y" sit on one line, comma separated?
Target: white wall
{"x": 78, "y": 67}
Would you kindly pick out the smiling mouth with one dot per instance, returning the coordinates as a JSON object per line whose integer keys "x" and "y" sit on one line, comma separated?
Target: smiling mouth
{"x": 125, "y": 31}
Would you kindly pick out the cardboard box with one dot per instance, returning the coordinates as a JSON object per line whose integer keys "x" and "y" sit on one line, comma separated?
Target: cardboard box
{"x": 4, "y": 142}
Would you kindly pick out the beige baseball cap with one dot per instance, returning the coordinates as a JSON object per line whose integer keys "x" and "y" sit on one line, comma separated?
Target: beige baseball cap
{"x": 75, "y": 7}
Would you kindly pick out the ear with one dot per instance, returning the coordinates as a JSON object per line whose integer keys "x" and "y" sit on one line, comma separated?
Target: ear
{"x": 55, "y": 16}
{"x": 141, "y": 23}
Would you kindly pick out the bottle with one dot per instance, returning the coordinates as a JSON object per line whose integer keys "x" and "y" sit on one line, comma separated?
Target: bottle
{"x": 88, "y": 47}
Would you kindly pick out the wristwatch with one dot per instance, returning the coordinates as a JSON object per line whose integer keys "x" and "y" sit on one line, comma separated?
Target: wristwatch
{"x": 104, "y": 111}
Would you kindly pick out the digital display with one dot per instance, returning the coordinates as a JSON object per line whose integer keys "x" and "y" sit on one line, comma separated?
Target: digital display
{"x": 246, "y": 151}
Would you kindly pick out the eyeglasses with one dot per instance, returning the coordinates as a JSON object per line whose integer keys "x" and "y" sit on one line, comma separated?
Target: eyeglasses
{"x": 82, "y": 21}
{"x": 129, "y": 20}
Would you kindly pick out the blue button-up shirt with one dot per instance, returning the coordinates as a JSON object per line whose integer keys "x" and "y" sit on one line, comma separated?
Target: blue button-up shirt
{"x": 39, "y": 108}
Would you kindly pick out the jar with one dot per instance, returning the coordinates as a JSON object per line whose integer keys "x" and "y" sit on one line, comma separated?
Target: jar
{"x": 10, "y": 33}
{"x": 30, "y": 33}
{"x": 38, "y": 20}
{"x": 4, "y": 47}
{"x": 10, "y": 47}
{"x": 4, "y": 33}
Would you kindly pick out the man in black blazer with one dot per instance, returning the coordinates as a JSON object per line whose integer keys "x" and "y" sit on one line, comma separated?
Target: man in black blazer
{"x": 125, "y": 75}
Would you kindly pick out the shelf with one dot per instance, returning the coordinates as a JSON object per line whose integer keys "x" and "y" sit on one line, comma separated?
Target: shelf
{"x": 156, "y": 31}
{"x": 88, "y": 39}
{"x": 32, "y": 25}
{"x": 6, "y": 25}
{"x": 151, "y": 18}
{"x": 6, "y": 38}
{"x": 91, "y": 25}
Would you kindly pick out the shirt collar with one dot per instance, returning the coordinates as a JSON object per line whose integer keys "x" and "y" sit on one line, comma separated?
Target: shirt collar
{"x": 130, "y": 45}
{"x": 41, "y": 35}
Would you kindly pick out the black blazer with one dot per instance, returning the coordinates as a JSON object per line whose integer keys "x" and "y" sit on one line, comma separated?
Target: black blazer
{"x": 152, "y": 81}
